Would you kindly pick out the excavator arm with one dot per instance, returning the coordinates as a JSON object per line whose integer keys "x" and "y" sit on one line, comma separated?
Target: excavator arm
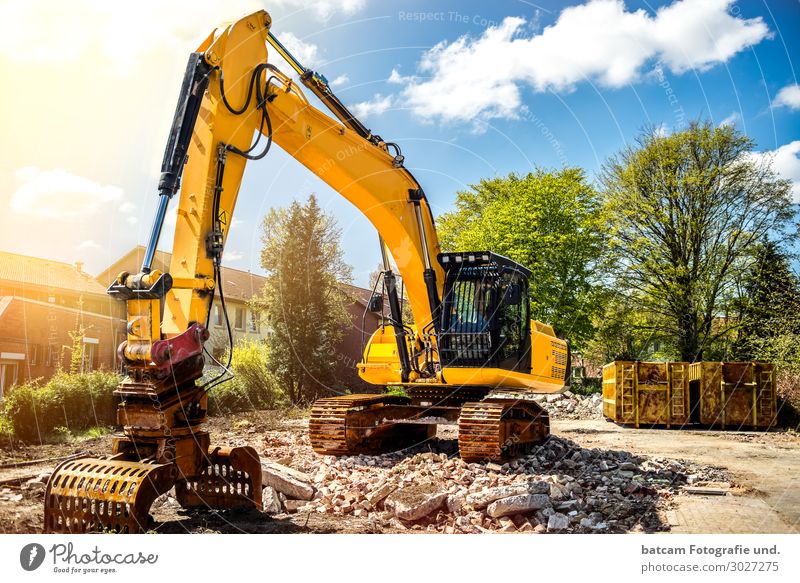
{"x": 229, "y": 94}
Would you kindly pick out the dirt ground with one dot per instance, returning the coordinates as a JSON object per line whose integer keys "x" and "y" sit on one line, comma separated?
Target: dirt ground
{"x": 765, "y": 467}
{"x": 764, "y": 470}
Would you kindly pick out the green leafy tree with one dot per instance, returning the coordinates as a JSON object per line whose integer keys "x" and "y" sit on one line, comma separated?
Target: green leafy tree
{"x": 768, "y": 306}
{"x": 301, "y": 301}
{"x": 622, "y": 332}
{"x": 549, "y": 222}
{"x": 686, "y": 210}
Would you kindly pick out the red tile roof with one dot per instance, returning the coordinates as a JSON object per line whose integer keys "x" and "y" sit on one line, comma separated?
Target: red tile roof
{"x": 46, "y": 273}
{"x": 238, "y": 285}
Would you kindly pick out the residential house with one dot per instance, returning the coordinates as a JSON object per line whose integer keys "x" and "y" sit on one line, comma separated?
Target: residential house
{"x": 46, "y": 307}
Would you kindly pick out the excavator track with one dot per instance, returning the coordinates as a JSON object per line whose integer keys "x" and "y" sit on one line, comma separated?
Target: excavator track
{"x": 91, "y": 494}
{"x": 500, "y": 429}
{"x": 353, "y": 424}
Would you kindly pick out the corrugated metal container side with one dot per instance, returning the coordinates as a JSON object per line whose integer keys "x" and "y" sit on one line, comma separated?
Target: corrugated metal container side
{"x": 650, "y": 393}
{"x": 733, "y": 395}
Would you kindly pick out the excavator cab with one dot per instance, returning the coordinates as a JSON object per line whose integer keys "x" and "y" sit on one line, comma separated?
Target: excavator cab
{"x": 485, "y": 318}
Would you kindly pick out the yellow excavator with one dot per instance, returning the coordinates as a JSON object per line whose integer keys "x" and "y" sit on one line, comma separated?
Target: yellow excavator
{"x": 471, "y": 355}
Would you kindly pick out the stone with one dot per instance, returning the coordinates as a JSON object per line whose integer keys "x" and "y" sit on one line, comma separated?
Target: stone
{"x": 270, "y": 499}
{"x": 454, "y": 504}
{"x": 295, "y": 505}
{"x": 557, "y": 521}
{"x": 293, "y": 483}
{"x": 415, "y": 502}
{"x": 381, "y": 492}
{"x": 35, "y": 484}
{"x": 526, "y": 527}
{"x": 485, "y": 497}
{"x": 518, "y": 504}
{"x": 507, "y": 525}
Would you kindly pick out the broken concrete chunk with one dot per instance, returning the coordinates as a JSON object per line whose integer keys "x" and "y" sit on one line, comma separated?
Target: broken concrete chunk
{"x": 271, "y": 501}
{"x": 557, "y": 521}
{"x": 485, "y": 497}
{"x": 415, "y": 502}
{"x": 293, "y": 483}
{"x": 518, "y": 504}
{"x": 295, "y": 505}
{"x": 381, "y": 492}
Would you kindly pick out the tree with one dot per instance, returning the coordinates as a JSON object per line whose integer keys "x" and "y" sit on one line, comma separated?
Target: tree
{"x": 550, "y": 222}
{"x": 621, "y": 332}
{"x": 768, "y": 306}
{"x": 686, "y": 210}
{"x": 301, "y": 301}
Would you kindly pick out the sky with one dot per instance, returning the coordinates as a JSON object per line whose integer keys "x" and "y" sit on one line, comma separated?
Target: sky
{"x": 468, "y": 89}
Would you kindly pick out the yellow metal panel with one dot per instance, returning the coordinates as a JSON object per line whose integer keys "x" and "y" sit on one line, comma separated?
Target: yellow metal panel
{"x": 501, "y": 378}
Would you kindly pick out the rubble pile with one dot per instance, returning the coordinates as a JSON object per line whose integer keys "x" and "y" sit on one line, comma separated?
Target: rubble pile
{"x": 558, "y": 487}
{"x": 569, "y": 405}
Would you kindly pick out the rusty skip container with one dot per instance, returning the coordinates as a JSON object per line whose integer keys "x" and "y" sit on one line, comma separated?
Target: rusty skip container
{"x": 649, "y": 393}
{"x": 733, "y": 395}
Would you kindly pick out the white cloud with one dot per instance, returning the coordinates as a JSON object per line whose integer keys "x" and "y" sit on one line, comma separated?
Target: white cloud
{"x": 375, "y": 106}
{"x": 127, "y": 207}
{"x": 396, "y": 78}
{"x": 61, "y": 32}
{"x": 599, "y": 42}
{"x": 231, "y": 255}
{"x": 789, "y": 97}
{"x": 661, "y": 130}
{"x": 323, "y": 9}
{"x": 304, "y": 52}
{"x": 340, "y": 80}
{"x": 786, "y": 162}
{"x": 88, "y": 245}
{"x": 131, "y": 220}
{"x": 58, "y": 194}
{"x": 731, "y": 120}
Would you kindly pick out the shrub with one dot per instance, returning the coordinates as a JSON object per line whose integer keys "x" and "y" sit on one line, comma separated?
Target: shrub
{"x": 587, "y": 385}
{"x": 73, "y": 401}
{"x": 253, "y": 385}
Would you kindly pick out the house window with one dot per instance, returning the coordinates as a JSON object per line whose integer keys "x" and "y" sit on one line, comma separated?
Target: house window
{"x": 52, "y": 355}
{"x": 254, "y": 325}
{"x": 89, "y": 351}
{"x": 239, "y": 320}
{"x": 33, "y": 354}
{"x": 8, "y": 376}
{"x": 218, "y": 315}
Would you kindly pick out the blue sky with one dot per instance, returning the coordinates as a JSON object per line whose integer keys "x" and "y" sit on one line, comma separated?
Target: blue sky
{"x": 468, "y": 90}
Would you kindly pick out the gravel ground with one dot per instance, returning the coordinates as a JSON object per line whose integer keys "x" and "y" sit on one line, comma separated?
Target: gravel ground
{"x": 560, "y": 486}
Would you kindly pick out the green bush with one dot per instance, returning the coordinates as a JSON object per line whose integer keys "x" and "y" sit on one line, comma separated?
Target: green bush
{"x": 253, "y": 385}
{"x": 587, "y": 385}
{"x": 76, "y": 402}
